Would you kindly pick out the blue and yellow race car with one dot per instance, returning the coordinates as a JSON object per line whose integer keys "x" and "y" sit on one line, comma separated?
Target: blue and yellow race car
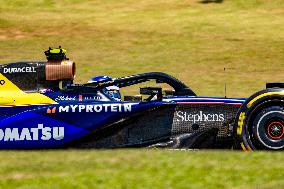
{"x": 41, "y": 107}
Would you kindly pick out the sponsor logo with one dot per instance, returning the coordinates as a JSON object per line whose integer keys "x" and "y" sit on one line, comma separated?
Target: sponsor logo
{"x": 20, "y": 70}
{"x": 241, "y": 123}
{"x": 81, "y": 98}
{"x": 94, "y": 108}
{"x": 32, "y": 134}
{"x": 2, "y": 82}
{"x": 65, "y": 98}
{"x": 51, "y": 111}
{"x": 199, "y": 117}
{"x": 92, "y": 98}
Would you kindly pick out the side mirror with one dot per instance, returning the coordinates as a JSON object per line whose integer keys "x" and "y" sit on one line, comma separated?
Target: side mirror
{"x": 154, "y": 92}
{"x": 169, "y": 92}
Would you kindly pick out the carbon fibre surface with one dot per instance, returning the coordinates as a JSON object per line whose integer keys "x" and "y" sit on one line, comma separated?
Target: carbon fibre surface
{"x": 199, "y": 117}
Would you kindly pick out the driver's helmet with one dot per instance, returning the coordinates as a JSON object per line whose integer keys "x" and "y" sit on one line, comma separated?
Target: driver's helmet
{"x": 110, "y": 91}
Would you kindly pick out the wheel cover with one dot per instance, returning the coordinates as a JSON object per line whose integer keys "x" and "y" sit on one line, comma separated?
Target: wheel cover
{"x": 270, "y": 128}
{"x": 275, "y": 130}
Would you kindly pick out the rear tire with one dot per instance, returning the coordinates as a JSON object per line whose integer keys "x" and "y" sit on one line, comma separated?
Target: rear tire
{"x": 260, "y": 122}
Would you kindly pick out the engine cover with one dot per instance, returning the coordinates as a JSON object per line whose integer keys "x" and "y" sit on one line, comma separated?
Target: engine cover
{"x": 33, "y": 76}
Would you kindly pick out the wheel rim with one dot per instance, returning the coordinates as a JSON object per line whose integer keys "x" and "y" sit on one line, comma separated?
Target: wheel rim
{"x": 269, "y": 129}
{"x": 275, "y": 130}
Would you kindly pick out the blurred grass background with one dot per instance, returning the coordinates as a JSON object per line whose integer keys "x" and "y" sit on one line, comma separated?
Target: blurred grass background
{"x": 191, "y": 40}
{"x": 141, "y": 169}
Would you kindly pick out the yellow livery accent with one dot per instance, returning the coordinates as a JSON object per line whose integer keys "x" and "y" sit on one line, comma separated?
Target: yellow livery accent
{"x": 11, "y": 95}
{"x": 263, "y": 95}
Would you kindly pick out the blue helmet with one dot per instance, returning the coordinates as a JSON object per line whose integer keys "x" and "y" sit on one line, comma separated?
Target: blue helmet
{"x": 110, "y": 91}
{"x": 100, "y": 78}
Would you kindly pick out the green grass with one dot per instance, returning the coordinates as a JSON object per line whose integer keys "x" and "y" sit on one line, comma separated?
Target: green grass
{"x": 188, "y": 39}
{"x": 141, "y": 169}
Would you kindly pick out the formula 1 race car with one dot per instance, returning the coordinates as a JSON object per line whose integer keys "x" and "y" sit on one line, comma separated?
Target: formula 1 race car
{"x": 40, "y": 107}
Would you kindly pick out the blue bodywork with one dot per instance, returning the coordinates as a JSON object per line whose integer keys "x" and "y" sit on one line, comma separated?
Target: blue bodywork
{"x": 75, "y": 116}
{"x": 89, "y": 112}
